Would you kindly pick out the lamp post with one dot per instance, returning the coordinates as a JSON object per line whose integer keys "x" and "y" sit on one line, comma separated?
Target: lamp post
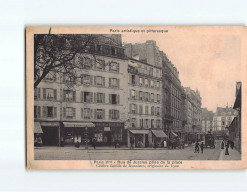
{"x": 86, "y": 138}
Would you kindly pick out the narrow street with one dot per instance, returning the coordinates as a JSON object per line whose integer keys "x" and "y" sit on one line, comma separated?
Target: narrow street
{"x": 72, "y": 153}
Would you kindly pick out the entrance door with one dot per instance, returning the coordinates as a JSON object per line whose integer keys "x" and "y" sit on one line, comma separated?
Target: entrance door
{"x": 50, "y": 136}
{"x": 107, "y": 138}
{"x": 146, "y": 140}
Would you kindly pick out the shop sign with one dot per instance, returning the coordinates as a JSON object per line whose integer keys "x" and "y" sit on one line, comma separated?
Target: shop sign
{"x": 105, "y": 124}
{"x": 50, "y": 124}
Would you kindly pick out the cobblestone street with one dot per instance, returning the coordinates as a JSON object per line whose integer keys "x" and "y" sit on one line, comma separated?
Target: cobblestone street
{"x": 72, "y": 153}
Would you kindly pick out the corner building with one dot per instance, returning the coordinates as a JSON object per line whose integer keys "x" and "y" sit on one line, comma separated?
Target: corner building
{"x": 95, "y": 107}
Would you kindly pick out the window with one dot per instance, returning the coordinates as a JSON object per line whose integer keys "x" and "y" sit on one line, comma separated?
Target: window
{"x": 152, "y": 84}
{"x": 86, "y": 113}
{"x": 146, "y": 96}
{"x": 50, "y": 94}
{"x": 114, "y": 67}
{"x": 158, "y": 85}
{"x": 158, "y": 98}
{"x": 87, "y": 97}
{"x": 152, "y": 123}
{"x": 158, "y": 111}
{"x": 100, "y": 64}
{"x": 100, "y": 97}
{"x": 37, "y": 93}
{"x": 113, "y": 99}
{"x": 99, "y": 81}
{"x": 69, "y": 95}
{"x": 113, "y": 82}
{"x": 50, "y": 112}
{"x": 68, "y": 78}
{"x": 223, "y": 122}
{"x": 141, "y": 81}
{"x": 133, "y": 122}
{"x": 140, "y": 109}
{"x": 87, "y": 62}
{"x": 69, "y": 112}
{"x": 141, "y": 123}
{"x": 133, "y": 81}
{"x": 146, "y": 109}
{"x": 36, "y": 111}
{"x": 85, "y": 79}
{"x": 140, "y": 95}
{"x": 152, "y": 110}
{"x": 151, "y": 71}
{"x": 113, "y": 114}
{"x": 158, "y": 123}
{"x": 133, "y": 108}
{"x": 146, "y": 83}
{"x": 146, "y": 121}
{"x": 133, "y": 94}
{"x": 99, "y": 113}
{"x": 152, "y": 97}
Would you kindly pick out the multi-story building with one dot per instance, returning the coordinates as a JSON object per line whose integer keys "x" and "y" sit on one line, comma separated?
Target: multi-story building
{"x": 193, "y": 107}
{"x": 207, "y": 120}
{"x": 94, "y": 107}
{"x": 223, "y": 118}
{"x": 145, "y": 103}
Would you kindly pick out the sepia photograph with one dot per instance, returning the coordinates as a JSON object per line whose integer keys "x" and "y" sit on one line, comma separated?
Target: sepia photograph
{"x": 134, "y": 93}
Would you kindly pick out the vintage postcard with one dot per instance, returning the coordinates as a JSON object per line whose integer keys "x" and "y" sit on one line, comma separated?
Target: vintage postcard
{"x": 136, "y": 97}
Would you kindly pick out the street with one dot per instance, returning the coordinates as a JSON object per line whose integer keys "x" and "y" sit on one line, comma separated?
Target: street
{"x": 72, "y": 153}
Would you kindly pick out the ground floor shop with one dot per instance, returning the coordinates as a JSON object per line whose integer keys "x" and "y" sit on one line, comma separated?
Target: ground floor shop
{"x": 141, "y": 138}
{"x": 70, "y": 133}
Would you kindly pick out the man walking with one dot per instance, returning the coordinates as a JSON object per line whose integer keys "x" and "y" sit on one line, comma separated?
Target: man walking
{"x": 202, "y": 147}
{"x": 131, "y": 142}
{"x": 196, "y": 147}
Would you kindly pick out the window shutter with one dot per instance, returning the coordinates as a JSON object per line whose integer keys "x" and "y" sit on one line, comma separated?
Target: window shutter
{"x": 103, "y": 81}
{"x": 117, "y": 114}
{"x": 130, "y": 108}
{"x": 130, "y": 94}
{"x": 110, "y": 98}
{"x": 91, "y": 80}
{"x": 109, "y": 82}
{"x": 64, "y": 95}
{"x": 136, "y": 109}
{"x": 155, "y": 98}
{"x": 73, "y": 110}
{"x": 82, "y": 96}
{"x": 38, "y": 111}
{"x": 44, "y": 111}
{"x": 44, "y": 93}
{"x": 95, "y": 97}
{"x": 55, "y": 94}
{"x": 103, "y": 97}
{"x": 130, "y": 81}
{"x": 137, "y": 80}
{"x": 55, "y": 112}
{"x": 81, "y": 112}
{"x": 91, "y": 97}
{"x": 137, "y": 95}
{"x": 118, "y": 83}
{"x": 148, "y": 96}
{"x": 64, "y": 112}
{"x": 74, "y": 96}
{"x": 103, "y": 113}
{"x": 110, "y": 114}
{"x": 95, "y": 81}
{"x": 118, "y": 99}
{"x": 38, "y": 91}
{"x": 91, "y": 113}
{"x": 117, "y": 67}
{"x": 95, "y": 113}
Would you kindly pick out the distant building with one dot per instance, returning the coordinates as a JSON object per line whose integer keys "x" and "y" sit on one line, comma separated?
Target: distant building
{"x": 223, "y": 118}
{"x": 235, "y": 126}
{"x": 207, "y": 120}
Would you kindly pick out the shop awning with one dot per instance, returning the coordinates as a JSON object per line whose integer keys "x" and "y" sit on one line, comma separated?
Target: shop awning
{"x": 37, "y": 128}
{"x": 174, "y": 134}
{"x": 71, "y": 124}
{"x": 159, "y": 133}
{"x": 139, "y": 131}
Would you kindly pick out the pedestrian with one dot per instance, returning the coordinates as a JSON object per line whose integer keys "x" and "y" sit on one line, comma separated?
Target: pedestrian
{"x": 94, "y": 143}
{"x": 227, "y": 152}
{"x": 196, "y": 147}
{"x": 202, "y": 146}
{"x": 222, "y": 145}
{"x": 131, "y": 142}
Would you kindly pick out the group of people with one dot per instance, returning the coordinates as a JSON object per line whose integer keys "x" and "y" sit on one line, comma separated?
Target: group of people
{"x": 198, "y": 146}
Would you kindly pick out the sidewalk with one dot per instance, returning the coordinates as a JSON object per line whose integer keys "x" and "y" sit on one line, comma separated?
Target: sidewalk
{"x": 233, "y": 155}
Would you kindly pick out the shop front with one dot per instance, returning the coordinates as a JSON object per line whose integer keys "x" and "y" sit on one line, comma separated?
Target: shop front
{"x": 158, "y": 138}
{"x": 51, "y": 133}
{"x": 140, "y": 138}
{"x": 37, "y": 134}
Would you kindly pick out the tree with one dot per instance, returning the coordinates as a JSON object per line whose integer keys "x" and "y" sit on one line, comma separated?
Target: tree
{"x": 60, "y": 53}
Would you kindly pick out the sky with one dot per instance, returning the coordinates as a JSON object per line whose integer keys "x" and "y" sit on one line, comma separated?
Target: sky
{"x": 207, "y": 61}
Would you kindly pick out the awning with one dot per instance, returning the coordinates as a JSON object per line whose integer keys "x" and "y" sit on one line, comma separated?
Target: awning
{"x": 159, "y": 133}
{"x": 107, "y": 129}
{"x": 139, "y": 131}
{"x": 70, "y": 124}
{"x": 174, "y": 134}
{"x": 37, "y": 128}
